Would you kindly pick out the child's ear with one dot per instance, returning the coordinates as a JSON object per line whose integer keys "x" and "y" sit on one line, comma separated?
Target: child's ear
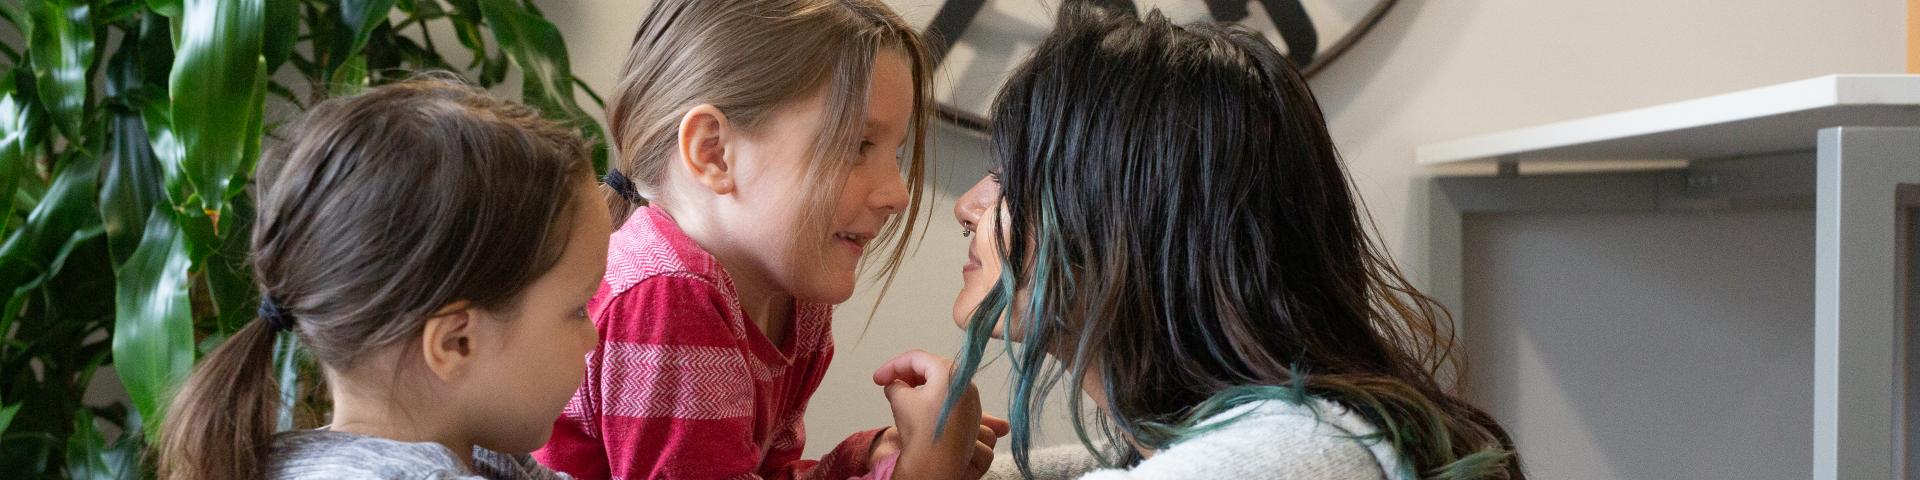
{"x": 448, "y": 341}
{"x": 704, "y": 133}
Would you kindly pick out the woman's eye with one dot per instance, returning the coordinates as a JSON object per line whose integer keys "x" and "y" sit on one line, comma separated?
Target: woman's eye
{"x": 995, "y": 175}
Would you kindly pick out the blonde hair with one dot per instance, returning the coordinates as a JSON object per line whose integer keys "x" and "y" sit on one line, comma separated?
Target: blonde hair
{"x": 749, "y": 57}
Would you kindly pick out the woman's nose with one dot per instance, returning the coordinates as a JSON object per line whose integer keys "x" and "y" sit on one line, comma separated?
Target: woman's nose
{"x": 968, "y": 208}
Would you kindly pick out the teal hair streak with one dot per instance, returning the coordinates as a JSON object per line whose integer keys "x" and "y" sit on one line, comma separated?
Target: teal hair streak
{"x": 1375, "y": 399}
{"x": 1487, "y": 463}
{"x": 1029, "y": 358}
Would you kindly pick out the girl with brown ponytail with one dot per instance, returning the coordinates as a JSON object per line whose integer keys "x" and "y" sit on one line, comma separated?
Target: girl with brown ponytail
{"x": 433, "y": 250}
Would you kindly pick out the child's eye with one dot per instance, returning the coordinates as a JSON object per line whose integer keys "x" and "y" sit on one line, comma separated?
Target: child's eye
{"x": 860, "y": 153}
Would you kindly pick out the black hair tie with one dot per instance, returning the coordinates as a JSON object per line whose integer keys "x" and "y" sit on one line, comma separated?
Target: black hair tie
{"x": 276, "y": 317}
{"x": 621, "y": 186}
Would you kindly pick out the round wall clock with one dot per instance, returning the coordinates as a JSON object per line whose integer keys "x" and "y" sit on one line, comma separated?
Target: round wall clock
{"x": 976, "y": 42}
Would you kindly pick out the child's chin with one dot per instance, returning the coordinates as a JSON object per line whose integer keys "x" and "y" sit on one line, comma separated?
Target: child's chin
{"x": 831, "y": 292}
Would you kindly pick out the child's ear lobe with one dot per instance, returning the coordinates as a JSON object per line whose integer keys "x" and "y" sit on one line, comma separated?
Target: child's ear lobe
{"x": 447, "y": 343}
{"x": 704, "y": 132}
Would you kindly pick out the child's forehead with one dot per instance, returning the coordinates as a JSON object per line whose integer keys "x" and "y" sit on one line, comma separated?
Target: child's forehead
{"x": 890, "y": 98}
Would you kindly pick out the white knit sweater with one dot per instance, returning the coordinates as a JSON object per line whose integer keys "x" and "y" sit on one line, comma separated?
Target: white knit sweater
{"x": 1275, "y": 440}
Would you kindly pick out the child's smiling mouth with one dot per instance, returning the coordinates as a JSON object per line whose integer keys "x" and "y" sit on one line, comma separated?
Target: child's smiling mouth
{"x": 854, "y": 240}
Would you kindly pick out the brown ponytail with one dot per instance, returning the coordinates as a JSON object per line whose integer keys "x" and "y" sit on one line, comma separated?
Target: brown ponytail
{"x": 226, "y": 410}
{"x": 377, "y": 210}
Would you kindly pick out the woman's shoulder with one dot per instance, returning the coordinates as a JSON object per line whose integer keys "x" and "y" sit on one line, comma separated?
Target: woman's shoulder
{"x": 1057, "y": 462}
{"x": 1273, "y": 439}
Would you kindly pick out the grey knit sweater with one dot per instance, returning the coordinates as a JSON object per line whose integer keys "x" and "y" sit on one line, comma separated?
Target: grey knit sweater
{"x": 1275, "y": 440}
{"x": 322, "y": 454}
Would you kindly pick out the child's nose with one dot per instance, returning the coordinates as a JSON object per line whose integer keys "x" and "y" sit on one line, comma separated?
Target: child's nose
{"x": 891, "y": 197}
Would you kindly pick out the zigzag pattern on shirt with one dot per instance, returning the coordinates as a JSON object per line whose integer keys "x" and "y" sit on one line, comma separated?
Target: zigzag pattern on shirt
{"x": 580, "y": 408}
{"x": 639, "y": 251}
{"x": 812, "y": 322}
{"x": 792, "y": 432}
{"x": 676, "y": 381}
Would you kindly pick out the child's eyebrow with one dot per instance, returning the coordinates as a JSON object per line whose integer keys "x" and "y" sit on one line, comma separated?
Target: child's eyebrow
{"x": 877, "y": 126}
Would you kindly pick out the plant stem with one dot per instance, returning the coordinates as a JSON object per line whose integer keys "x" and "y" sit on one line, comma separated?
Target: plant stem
{"x": 427, "y": 37}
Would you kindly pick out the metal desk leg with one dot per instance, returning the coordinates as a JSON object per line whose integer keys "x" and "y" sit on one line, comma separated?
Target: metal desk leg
{"x": 1858, "y": 329}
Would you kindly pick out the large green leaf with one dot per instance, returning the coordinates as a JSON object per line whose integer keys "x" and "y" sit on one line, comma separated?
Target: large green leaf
{"x": 350, "y": 78}
{"x": 60, "y": 335}
{"x": 467, "y": 21}
{"x": 156, "y": 114}
{"x": 131, "y": 181}
{"x": 361, "y": 18}
{"x": 536, "y": 46}
{"x": 90, "y": 457}
{"x": 115, "y": 12}
{"x": 255, "y": 132}
{"x": 283, "y": 31}
{"x": 217, "y": 85}
{"x": 547, "y": 82}
{"x": 170, "y": 8}
{"x": 51, "y": 338}
{"x": 235, "y": 298}
{"x": 64, "y": 218}
{"x": 61, "y": 46}
{"x": 156, "y": 53}
{"x": 153, "y": 320}
{"x": 6, "y": 416}
{"x": 15, "y": 151}
{"x": 85, "y": 449}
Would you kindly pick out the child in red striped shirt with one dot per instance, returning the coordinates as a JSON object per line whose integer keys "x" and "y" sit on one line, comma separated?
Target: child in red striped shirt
{"x": 760, "y": 156}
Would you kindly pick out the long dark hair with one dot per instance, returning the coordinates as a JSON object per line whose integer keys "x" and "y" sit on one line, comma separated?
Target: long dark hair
{"x": 1181, "y": 228}
{"x": 377, "y": 210}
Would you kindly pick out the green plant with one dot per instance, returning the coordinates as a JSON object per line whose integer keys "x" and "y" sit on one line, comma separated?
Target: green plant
{"x": 129, "y": 131}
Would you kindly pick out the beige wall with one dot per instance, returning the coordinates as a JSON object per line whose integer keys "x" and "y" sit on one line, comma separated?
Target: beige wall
{"x": 1433, "y": 70}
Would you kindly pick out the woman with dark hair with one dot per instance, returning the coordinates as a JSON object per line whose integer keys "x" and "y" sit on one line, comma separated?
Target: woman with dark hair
{"x": 1168, "y": 227}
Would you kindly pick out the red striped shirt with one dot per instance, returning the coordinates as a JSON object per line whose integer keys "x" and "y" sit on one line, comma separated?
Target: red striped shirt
{"x": 683, "y": 385}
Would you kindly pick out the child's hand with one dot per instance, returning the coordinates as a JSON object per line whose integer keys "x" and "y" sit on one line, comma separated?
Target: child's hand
{"x": 916, "y": 386}
{"x": 991, "y": 429}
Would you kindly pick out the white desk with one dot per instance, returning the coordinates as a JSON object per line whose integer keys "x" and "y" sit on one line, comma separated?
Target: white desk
{"x": 1849, "y": 144}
